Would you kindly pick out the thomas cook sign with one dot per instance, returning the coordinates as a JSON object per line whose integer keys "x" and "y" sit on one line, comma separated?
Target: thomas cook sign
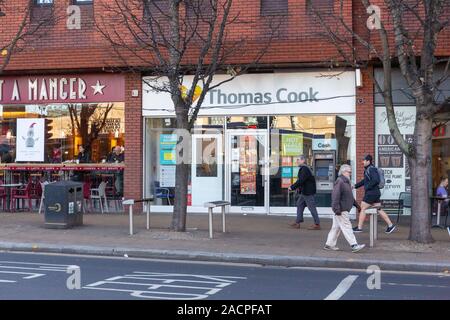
{"x": 90, "y": 88}
{"x": 262, "y": 94}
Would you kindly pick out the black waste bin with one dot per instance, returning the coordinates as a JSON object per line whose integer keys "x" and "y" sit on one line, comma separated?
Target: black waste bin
{"x": 63, "y": 204}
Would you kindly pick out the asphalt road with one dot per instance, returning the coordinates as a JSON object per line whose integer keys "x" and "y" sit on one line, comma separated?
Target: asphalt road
{"x": 33, "y": 276}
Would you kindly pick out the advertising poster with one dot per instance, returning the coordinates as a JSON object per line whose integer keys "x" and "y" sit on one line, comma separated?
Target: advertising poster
{"x": 292, "y": 144}
{"x": 30, "y": 140}
{"x": 286, "y": 172}
{"x": 388, "y": 155}
{"x": 167, "y": 146}
{"x": 286, "y": 161}
{"x": 286, "y": 183}
{"x": 167, "y": 174}
{"x": 248, "y": 163}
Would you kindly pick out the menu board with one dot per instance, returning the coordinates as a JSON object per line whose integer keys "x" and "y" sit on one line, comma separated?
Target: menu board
{"x": 167, "y": 174}
{"x": 248, "y": 162}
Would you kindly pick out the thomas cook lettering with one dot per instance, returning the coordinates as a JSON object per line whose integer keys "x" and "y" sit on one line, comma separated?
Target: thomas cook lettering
{"x": 282, "y": 95}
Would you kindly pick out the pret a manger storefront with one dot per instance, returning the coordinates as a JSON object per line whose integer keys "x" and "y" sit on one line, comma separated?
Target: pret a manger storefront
{"x": 45, "y": 118}
{"x": 248, "y": 136}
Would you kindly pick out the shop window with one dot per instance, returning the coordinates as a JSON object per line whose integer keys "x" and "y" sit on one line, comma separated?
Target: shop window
{"x": 274, "y": 7}
{"x": 327, "y": 142}
{"x": 100, "y": 127}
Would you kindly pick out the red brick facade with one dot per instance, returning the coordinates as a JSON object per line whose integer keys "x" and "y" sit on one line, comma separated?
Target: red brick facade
{"x": 299, "y": 44}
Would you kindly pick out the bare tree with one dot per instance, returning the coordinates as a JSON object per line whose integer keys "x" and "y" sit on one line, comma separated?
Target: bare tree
{"x": 88, "y": 121}
{"x": 405, "y": 36}
{"x": 27, "y": 32}
{"x": 174, "y": 38}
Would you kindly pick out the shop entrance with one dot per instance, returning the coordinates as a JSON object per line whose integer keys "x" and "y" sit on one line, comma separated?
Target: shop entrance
{"x": 206, "y": 169}
{"x": 247, "y": 180}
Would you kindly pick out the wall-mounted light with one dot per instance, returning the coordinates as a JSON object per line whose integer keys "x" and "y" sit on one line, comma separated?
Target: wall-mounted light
{"x": 2, "y": 14}
{"x": 358, "y": 78}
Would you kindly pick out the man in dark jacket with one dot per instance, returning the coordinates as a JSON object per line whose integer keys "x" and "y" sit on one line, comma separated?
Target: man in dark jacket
{"x": 306, "y": 184}
{"x": 342, "y": 201}
{"x": 372, "y": 195}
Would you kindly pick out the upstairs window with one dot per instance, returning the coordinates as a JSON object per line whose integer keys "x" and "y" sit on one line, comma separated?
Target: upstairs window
{"x": 83, "y": 1}
{"x": 274, "y": 7}
{"x": 43, "y": 2}
{"x": 319, "y": 5}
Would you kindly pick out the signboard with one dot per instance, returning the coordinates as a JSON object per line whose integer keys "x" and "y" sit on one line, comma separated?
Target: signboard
{"x": 30, "y": 140}
{"x": 62, "y": 89}
{"x": 324, "y": 144}
{"x": 388, "y": 155}
{"x": 291, "y": 144}
{"x": 260, "y": 94}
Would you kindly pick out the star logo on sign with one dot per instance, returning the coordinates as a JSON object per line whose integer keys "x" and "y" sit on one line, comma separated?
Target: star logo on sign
{"x": 98, "y": 88}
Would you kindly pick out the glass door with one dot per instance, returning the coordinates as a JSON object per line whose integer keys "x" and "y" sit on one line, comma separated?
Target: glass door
{"x": 247, "y": 170}
{"x": 206, "y": 169}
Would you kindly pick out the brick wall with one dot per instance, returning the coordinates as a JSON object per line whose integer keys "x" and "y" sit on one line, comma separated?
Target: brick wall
{"x": 133, "y": 138}
{"x": 365, "y": 124}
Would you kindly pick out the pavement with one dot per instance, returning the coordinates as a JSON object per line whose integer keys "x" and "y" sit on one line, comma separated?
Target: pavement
{"x": 255, "y": 239}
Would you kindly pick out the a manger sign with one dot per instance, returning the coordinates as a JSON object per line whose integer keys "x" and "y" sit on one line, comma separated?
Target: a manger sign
{"x": 89, "y": 88}
{"x": 273, "y": 93}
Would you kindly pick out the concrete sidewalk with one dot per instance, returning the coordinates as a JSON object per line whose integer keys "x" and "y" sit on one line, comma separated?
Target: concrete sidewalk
{"x": 266, "y": 240}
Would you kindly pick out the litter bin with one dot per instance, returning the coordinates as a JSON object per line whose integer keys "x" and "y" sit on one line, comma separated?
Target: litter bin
{"x": 63, "y": 204}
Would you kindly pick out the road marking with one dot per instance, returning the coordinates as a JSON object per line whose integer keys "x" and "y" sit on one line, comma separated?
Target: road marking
{"x": 414, "y": 285}
{"x": 342, "y": 288}
{"x": 172, "y": 286}
{"x": 7, "y": 281}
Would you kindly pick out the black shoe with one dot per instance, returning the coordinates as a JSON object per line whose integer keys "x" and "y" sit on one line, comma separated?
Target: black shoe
{"x": 390, "y": 229}
{"x": 357, "y": 230}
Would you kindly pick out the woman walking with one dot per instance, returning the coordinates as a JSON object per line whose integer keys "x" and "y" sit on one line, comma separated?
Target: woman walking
{"x": 342, "y": 201}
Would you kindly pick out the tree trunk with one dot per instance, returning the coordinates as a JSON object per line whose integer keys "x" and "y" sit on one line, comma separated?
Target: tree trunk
{"x": 420, "y": 170}
{"x": 182, "y": 177}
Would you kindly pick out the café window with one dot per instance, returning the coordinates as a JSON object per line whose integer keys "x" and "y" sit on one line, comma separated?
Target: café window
{"x": 52, "y": 133}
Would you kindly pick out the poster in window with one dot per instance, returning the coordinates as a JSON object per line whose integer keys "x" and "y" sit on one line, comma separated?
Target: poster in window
{"x": 167, "y": 152}
{"x": 292, "y": 144}
{"x": 286, "y": 183}
{"x": 167, "y": 175}
{"x": 30, "y": 140}
{"x": 388, "y": 154}
{"x": 248, "y": 161}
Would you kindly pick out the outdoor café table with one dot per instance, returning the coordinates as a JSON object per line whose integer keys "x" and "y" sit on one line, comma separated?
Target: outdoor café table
{"x": 8, "y": 188}
{"x": 438, "y": 218}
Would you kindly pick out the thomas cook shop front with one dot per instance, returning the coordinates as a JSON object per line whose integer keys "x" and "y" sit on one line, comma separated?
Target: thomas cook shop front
{"x": 247, "y": 139}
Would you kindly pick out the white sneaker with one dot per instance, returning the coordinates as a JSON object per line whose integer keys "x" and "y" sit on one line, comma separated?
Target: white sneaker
{"x": 330, "y": 248}
{"x": 448, "y": 230}
{"x": 357, "y": 247}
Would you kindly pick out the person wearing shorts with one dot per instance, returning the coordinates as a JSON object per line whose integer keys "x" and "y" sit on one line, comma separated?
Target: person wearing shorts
{"x": 372, "y": 195}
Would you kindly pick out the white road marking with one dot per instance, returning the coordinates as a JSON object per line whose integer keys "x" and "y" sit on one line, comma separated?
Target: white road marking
{"x": 342, "y": 288}
{"x": 173, "y": 286}
{"x": 7, "y": 281}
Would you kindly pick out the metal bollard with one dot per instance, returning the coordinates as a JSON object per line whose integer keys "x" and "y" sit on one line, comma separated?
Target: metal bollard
{"x": 130, "y": 212}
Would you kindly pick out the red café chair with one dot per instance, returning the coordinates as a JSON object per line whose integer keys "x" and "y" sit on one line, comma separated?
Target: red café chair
{"x": 3, "y": 195}
{"x": 21, "y": 193}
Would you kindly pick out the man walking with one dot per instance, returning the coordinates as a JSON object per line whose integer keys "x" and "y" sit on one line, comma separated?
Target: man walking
{"x": 306, "y": 184}
{"x": 342, "y": 201}
{"x": 372, "y": 195}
